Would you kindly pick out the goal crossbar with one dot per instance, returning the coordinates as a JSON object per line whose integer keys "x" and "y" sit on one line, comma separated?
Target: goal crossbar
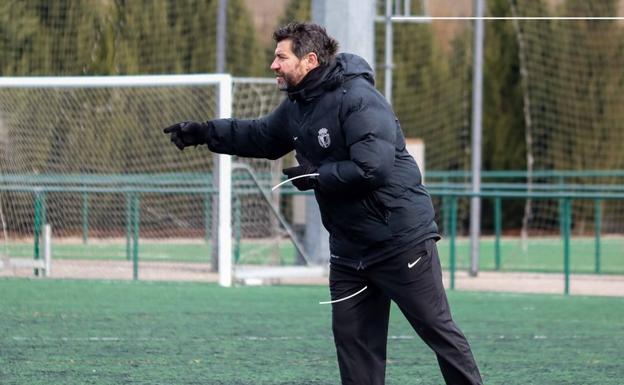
{"x": 118, "y": 81}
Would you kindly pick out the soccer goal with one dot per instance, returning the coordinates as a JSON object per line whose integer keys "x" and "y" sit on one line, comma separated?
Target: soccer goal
{"x": 88, "y": 156}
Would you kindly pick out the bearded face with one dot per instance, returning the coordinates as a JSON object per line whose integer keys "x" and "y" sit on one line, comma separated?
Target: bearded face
{"x": 288, "y": 68}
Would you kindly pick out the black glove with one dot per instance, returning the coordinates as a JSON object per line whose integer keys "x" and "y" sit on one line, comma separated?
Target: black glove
{"x": 187, "y": 134}
{"x": 304, "y": 167}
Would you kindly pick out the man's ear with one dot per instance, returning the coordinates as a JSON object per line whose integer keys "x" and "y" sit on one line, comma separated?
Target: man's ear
{"x": 312, "y": 60}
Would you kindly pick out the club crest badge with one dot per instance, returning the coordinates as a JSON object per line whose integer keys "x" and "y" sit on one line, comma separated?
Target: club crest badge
{"x": 323, "y": 137}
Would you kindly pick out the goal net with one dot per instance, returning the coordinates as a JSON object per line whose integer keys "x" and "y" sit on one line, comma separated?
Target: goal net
{"x": 573, "y": 92}
{"x": 90, "y": 160}
{"x": 87, "y": 155}
{"x": 553, "y": 91}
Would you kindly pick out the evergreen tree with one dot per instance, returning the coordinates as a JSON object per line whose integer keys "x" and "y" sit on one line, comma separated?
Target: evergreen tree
{"x": 244, "y": 53}
{"x": 431, "y": 93}
{"x": 504, "y": 145}
{"x": 297, "y": 10}
{"x": 503, "y": 119}
{"x": 590, "y": 132}
{"x": 591, "y": 51}
{"x": 19, "y": 26}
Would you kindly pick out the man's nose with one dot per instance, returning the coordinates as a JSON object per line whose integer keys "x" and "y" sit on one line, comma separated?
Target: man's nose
{"x": 274, "y": 65}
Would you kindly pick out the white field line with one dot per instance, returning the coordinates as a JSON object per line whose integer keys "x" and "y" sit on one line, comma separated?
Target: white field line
{"x": 281, "y": 338}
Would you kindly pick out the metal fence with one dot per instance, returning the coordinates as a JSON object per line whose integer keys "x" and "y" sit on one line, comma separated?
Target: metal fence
{"x": 451, "y": 191}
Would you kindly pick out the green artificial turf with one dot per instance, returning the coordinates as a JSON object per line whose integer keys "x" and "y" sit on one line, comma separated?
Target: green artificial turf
{"x": 111, "y": 332}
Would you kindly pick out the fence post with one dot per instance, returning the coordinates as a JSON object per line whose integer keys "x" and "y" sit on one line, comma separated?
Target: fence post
{"x": 237, "y": 228}
{"x": 85, "y": 217}
{"x": 135, "y": 235}
{"x": 208, "y": 217}
{"x": 497, "y": 226}
{"x": 445, "y": 209}
{"x": 47, "y": 249}
{"x": 38, "y": 220}
{"x": 567, "y": 223}
{"x": 561, "y": 180}
{"x": 128, "y": 226}
{"x": 452, "y": 243}
{"x": 598, "y": 229}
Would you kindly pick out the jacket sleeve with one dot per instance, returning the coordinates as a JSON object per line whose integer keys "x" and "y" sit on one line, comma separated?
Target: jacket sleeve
{"x": 369, "y": 128}
{"x": 266, "y": 137}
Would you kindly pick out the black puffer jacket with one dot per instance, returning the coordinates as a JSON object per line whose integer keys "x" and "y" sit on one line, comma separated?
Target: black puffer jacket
{"x": 369, "y": 189}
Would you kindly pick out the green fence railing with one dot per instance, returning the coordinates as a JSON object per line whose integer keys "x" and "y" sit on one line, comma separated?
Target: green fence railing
{"x": 515, "y": 174}
{"x": 564, "y": 197}
{"x": 133, "y": 186}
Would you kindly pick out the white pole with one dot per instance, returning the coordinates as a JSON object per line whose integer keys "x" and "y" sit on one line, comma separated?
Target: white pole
{"x": 47, "y": 249}
{"x": 225, "y": 192}
{"x": 351, "y": 22}
{"x": 110, "y": 81}
{"x": 221, "y": 35}
{"x": 220, "y": 67}
{"x": 477, "y": 133}
{"x": 389, "y": 52}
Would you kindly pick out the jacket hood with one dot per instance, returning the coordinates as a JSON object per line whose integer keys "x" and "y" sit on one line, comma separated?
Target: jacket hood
{"x": 345, "y": 67}
{"x": 353, "y": 65}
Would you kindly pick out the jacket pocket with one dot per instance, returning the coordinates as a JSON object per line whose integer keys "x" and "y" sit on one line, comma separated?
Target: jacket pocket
{"x": 370, "y": 223}
{"x": 354, "y": 221}
{"x": 376, "y": 208}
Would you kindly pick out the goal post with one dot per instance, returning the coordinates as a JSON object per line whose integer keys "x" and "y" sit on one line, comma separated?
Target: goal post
{"x": 14, "y": 109}
{"x": 225, "y": 194}
{"x": 90, "y": 155}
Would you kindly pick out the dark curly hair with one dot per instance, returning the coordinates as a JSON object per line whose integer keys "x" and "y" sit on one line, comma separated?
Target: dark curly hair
{"x": 306, "y": 38}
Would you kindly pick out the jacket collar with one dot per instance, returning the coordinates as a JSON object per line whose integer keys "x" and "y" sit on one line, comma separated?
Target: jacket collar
{"x": 315, "y": 83}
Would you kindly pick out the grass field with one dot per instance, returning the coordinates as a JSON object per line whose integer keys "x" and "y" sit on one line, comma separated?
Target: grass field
{"x": 109, "y": 332}
{"x": 541, "y": 254}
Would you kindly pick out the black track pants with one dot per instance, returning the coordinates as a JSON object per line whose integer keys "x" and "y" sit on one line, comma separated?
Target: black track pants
{"x": 360, "y": 322}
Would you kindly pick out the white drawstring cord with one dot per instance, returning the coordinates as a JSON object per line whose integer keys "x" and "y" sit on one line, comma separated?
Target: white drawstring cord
{"x": 293, "y": 178}
{"x": 343, "y": 299}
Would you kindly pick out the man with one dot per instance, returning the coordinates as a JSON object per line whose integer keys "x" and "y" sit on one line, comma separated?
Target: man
{"x": 379, "y": 216}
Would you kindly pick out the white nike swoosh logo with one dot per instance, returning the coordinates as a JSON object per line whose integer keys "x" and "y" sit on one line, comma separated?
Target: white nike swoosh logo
{"x": 410, "y": 265}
